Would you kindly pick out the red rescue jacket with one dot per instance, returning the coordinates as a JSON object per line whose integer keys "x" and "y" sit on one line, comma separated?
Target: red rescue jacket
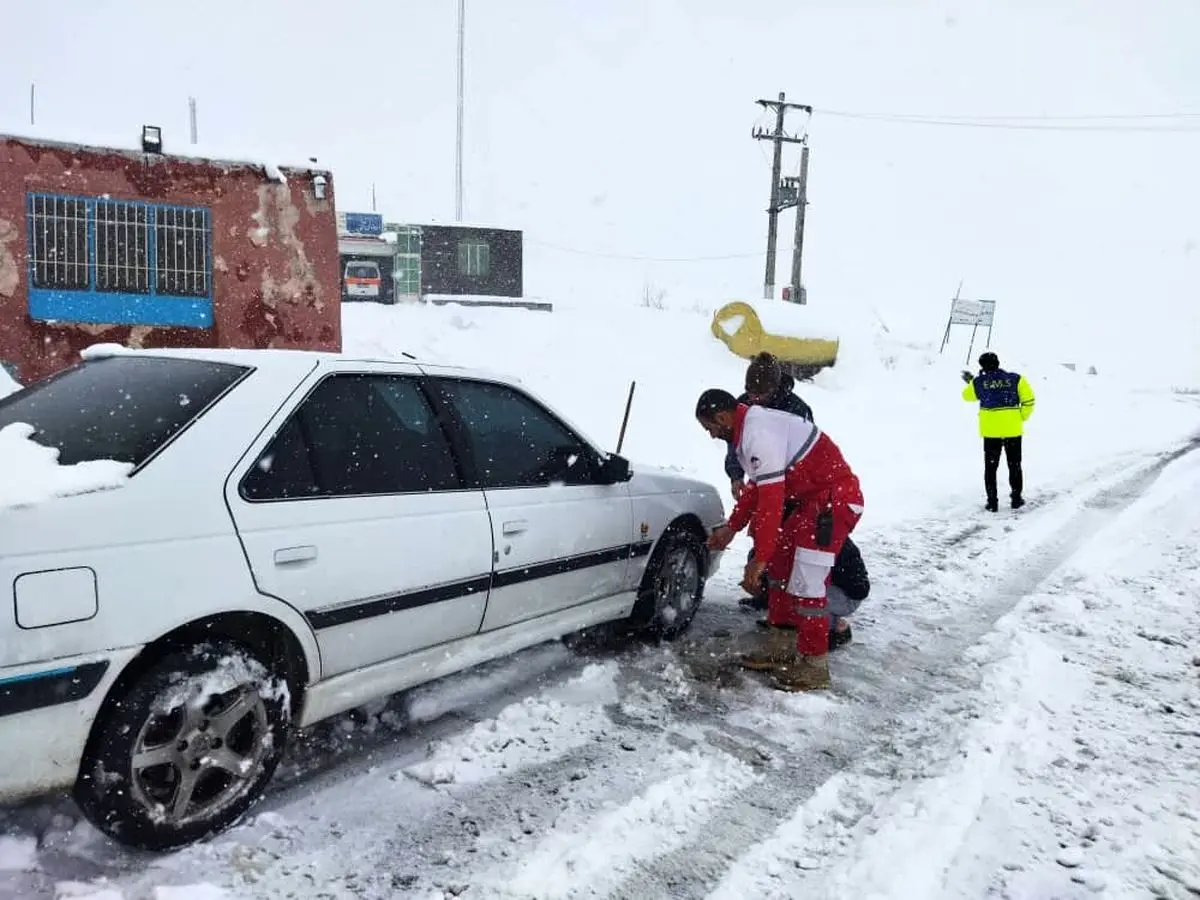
{"x": 785, "y": 458}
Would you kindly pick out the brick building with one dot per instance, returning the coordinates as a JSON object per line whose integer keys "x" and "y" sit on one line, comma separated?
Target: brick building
{"x": 151, "y": 250}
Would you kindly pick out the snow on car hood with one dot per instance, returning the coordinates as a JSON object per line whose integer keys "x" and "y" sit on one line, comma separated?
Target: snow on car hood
{"x": 661, "y": 479}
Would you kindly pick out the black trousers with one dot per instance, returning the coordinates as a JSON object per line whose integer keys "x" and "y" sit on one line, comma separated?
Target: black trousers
{"x": 1011, "y": 448}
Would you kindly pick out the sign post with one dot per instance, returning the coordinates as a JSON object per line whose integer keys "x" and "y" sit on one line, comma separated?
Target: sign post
{"x": 974, "y": 313}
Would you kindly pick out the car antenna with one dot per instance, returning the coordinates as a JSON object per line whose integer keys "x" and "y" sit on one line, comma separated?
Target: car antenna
{"x": 625, "y": 420}
{"x": 406, "y": 353}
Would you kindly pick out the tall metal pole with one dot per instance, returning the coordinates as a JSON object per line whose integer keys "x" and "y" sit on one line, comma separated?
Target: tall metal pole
{"x": 458, "y": 165}
{"x": 773, "y": 209}
{"x": 32, "y": 104}
{"x": 192, "y": 119}
{"x": 798, "y": 295}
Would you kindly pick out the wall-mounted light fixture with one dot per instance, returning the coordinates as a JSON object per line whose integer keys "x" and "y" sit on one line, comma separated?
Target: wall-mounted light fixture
{"x": 151, "y": 139}
{"x": 319, "y": 184}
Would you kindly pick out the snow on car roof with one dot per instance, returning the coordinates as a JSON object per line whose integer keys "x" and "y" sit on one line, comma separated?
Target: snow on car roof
{"x": 268, "y": 358}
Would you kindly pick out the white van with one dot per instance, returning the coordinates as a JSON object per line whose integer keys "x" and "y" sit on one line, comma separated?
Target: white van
{"x": 362, "y": 279}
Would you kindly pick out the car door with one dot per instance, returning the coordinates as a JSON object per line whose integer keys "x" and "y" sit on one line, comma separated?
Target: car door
{"x": 561, "y": 537}
{"x": 352, "y": 508}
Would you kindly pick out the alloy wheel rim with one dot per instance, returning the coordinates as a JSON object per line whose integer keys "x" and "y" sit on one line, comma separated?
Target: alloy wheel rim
{"x": 194, "y": 760}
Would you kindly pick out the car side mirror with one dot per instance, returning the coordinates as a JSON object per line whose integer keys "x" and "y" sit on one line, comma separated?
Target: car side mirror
{"x": 615, "y": 469}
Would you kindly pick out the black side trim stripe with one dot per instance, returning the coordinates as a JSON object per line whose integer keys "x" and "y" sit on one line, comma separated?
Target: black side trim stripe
{"x": 381, "y": 606}
{"x": 509, "y": 577}
{"x": 37, "y": 690}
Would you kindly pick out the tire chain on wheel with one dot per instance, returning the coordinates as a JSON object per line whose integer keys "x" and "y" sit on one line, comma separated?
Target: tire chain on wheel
{"x": 644, "y": 613}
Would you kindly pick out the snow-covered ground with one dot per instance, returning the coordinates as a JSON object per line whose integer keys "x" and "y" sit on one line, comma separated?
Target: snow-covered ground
{"x": 1017, "y": 717}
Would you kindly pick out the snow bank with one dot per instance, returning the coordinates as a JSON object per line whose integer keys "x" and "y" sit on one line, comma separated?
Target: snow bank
{"x": 893, "y": 403}
{"x": 30, "y": 473}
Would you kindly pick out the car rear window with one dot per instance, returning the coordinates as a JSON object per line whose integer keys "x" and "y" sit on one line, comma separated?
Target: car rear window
{"x": 362, "y": 271}
{"x": 123, "y": 407}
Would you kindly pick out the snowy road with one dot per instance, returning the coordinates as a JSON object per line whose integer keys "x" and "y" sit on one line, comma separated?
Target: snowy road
{"x": 1017, "y": 717}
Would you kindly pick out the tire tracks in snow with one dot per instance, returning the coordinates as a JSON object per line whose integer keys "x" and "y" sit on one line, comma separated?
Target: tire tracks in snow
{"x": 895, "y": 708}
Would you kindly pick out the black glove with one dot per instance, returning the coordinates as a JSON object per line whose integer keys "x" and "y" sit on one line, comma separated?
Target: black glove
{"x": 967, "y": 377}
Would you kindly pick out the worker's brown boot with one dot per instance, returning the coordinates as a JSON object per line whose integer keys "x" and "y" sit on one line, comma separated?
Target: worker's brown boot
{"x": 776, "y": 650}
{"x": 803, "y": 673}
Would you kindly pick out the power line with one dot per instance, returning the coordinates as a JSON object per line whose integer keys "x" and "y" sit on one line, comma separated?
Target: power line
{"x": 1191, "y": 121}
{"x": 632, "y": 258}
{"x": 1034, "y": 118}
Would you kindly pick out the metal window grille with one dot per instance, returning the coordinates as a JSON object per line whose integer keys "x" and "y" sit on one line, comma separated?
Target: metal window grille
{"x": 183, "y": 243}
{"x": 122, "y": 247}
{"x": 474, "y": 258}
{"x": 116, "y": 246}
{"x": 58, "y": 239}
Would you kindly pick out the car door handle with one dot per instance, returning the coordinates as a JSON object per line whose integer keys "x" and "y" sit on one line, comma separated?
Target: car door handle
{"x": 514, "y": 527}
{"x": 286, "y": 555}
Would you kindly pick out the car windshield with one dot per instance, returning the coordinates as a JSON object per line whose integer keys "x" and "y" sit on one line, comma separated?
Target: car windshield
{"x": 123, "y": 408}
{"x": 362, "y": 271}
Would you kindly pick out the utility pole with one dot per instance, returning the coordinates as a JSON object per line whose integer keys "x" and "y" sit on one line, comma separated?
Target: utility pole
{"x": 779, "y": 138}
{"x": 192, "y": 119}
{"x": 458, "y": 150}
{"x": 798, "y": 292}
{"x": 32, "y": 104}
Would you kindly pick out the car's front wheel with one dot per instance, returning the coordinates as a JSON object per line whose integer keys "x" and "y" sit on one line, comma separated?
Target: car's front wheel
{"x": 672, "y": 587}
{"x": 186, "y": 748}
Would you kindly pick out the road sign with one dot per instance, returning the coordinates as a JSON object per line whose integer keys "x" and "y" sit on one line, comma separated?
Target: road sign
{"x": 973, "y": 312}
{"x": 360, "y": 223}
{"x": 976, "y": 313}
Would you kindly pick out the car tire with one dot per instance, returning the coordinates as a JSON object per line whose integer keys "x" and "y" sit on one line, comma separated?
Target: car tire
{"x": 211, "y": 720}
{"x": 672, "y": 587}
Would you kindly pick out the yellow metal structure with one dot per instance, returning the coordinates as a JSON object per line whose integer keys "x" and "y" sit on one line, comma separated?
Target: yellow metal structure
{"x": 803, "y": 357}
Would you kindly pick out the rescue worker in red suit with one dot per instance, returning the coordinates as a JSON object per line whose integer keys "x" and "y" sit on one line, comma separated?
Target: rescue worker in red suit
{"x": 787, "y": 461}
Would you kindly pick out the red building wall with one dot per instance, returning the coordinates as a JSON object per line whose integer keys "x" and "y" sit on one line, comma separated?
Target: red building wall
{"x": 274, "y": 256}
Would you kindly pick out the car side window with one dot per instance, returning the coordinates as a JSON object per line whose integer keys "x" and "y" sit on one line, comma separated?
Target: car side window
{"x": 515, "y": 442}
{"x": 356, "y": 435}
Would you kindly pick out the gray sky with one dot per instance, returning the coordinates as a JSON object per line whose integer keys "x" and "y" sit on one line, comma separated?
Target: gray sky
{"x": 623, "y": 127}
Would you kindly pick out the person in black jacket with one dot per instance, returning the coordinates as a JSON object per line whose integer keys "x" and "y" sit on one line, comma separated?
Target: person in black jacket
{"x": 767, "y": 384}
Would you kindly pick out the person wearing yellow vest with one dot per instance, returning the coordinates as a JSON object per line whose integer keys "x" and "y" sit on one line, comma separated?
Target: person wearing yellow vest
{"x": 1005, "y": 403}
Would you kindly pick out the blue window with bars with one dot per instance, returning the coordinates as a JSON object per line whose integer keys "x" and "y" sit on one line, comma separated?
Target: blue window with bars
{"x": 119, "y": 262}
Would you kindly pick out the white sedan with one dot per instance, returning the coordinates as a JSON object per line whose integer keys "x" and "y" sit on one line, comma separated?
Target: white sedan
{"x": 299, "y": 534}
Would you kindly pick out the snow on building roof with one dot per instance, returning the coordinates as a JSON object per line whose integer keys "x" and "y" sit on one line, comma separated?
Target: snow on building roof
{"x": 272, "y": 163}
{"x": 435, "y": 223}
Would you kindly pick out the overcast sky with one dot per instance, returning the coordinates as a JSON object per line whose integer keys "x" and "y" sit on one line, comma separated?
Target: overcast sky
{"x": 623, "y": 127}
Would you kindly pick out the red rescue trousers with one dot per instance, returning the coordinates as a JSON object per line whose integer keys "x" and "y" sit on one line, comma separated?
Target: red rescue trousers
{"x": 799, "y": 571}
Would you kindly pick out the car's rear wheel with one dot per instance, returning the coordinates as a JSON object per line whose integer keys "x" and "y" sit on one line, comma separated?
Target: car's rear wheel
{"x": 673, "y": 586}
{"x": 186, "y": 748}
